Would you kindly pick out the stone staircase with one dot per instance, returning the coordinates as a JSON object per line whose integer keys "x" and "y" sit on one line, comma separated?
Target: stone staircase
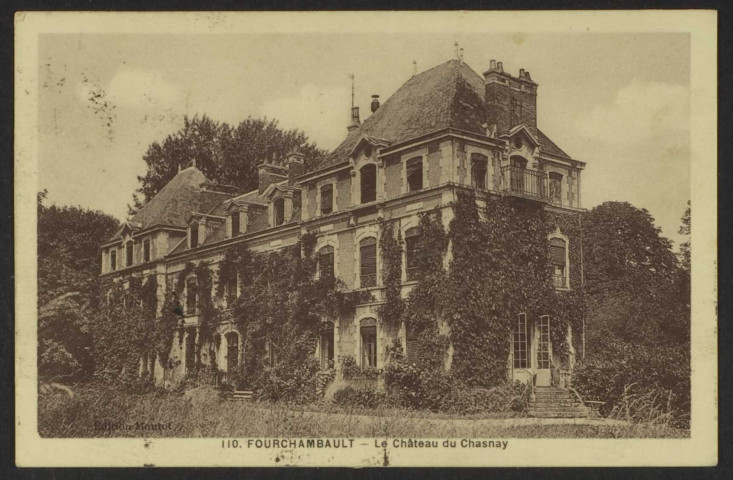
{"x": 556, "y": 402}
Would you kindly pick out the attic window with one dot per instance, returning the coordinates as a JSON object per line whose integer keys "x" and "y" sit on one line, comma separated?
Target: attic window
{"x": 368, "y": 183}
{"x": 146, "y": 250}
{"x": 479, "y": 166}
{"x": 414, "y": 174}
{"x": 194, "y": 235}
{"x": 279, "y": 211}
{"x": 235, "y": 224}
{"x": 326, "y": 199}
{"x": 113, "y": 260}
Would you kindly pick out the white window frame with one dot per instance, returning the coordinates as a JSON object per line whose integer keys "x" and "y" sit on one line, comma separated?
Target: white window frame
{"x": 558, "y": 234}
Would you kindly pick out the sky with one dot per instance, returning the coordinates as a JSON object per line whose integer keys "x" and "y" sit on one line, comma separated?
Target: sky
{"x": 619, "y": 102}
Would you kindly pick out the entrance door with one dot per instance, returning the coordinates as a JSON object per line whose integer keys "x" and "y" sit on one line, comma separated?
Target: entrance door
{"x": 542, "y": 334}
{"x": 518, "y": 166}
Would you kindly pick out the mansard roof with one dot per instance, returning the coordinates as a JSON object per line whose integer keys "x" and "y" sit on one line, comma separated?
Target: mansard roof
{"x": 174, "y": 203}
{"x": 450, "y": 95}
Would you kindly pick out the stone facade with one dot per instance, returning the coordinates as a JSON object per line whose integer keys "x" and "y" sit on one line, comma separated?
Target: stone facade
{"x": 446, "y": 167}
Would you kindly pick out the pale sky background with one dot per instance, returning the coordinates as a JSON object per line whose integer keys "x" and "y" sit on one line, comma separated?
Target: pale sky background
{"x": 621, "y": 103}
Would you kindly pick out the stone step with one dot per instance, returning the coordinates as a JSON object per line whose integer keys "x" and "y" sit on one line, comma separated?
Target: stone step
{"x": 557, "y": 409}
{"x": 557, "y": 415}
{"x": 553, "y": 404}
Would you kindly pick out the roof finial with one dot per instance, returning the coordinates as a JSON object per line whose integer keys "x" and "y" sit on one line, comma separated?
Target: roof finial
{"x": 460, "y": 56}
{"x": 351, "y": 75}
{"x": 414, "y": 68}
{"x": 457, "y": 51}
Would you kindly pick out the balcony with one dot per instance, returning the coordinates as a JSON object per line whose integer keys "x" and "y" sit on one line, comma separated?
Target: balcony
{"x": 524, "y": 183}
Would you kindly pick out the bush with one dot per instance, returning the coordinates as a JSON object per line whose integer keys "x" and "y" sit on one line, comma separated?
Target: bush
{"x": 507, "y": 397}
{"x": 290, "y": 383}
{"x": 359, "y": 396}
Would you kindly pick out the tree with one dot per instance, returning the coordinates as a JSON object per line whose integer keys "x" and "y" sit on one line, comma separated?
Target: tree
{"x": 68, "y": 265}
{"x": 225, "y": 154}
{"x": 685, "y": 246}
{"x": 638, "y": 324}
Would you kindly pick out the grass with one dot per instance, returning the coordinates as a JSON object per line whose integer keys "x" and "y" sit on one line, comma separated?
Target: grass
{"x": 201, "y": 413}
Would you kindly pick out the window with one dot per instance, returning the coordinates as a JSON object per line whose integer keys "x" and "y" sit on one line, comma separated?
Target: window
{"x": 414, "y": 174}
{"x": 129, "y": 253}
{"x": 146, "y": 250}
{"x": 519, "y": 342}
{"x": 279, "y": 211}
{"x": 232, "y": 351}
{"x": 325, "y": 262}
{"x": 479, "y": 167}
{"x": 191, "y": 296}
{"x": 272, "y": 356}
{"x": 368, "y": 262}
{"x": 230, "y": 288}
{"x": 412, "y": 254}
{"x": 368, "y": 175}
{"x": 113, "y": 260}
{"x": 369, "y": 345}
{"x": 235, "y": 224}
{"x": 194, "y": 235}
{"x": 558, "y": 251}
{"x": 190, "y": 349}
{"x": 543, "y": 348}
{"x": 517, "y": 174}
{"x": 327, "y": 342}
{"x": 556, "y": 188}
{"x": 411, "y": 343}
{"x": 326, "y": 199}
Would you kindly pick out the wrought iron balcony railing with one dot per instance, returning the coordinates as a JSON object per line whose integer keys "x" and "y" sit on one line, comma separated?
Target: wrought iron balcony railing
{"x": 525, "y": 183}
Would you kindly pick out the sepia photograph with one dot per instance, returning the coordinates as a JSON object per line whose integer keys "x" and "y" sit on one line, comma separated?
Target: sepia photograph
{"x": 302, "y": 241}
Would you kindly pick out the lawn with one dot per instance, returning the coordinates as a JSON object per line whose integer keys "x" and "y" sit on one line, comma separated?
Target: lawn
{"x": 94, "y": 412}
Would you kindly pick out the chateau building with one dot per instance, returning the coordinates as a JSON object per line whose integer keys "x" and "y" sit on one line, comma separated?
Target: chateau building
{"x": 445, "y": 130}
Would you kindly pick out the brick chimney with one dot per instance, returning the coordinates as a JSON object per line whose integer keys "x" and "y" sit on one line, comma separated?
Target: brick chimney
{"x": 269, "y": 173}
{"x": 295, "y": 166}
{"x": 509, "y": 100}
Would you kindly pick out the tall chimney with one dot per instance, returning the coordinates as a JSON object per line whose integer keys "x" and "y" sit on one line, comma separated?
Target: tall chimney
{"x": 355, "y": 122}
{"x": 375, "y": 103}
{"x": 492, "y": 65}
{"x": 295, "y": 166}
{"x": 510, "y": 100}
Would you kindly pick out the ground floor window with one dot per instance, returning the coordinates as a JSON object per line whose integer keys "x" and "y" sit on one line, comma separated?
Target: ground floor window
{"x": 190, "y": 350}
{"x": 327, "y": 344}
{"x": 519, "y": 342}
{"x": 369, "y": 346}
{"x": 411, "y": 346}
{"x": 232, "y": 351}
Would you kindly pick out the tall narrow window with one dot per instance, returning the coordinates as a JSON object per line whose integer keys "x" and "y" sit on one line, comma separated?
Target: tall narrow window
{"x": 128, "y": 253}
{"x": 191, "y": 296}
{"x": 412, "y": 349}
{"x": 519, "y": 342}
{"x": 279, "y": 211}
{"x": 412, "y": 254}
{"x": 556, "y": 188}
{"x": 558, "y": 251}
{"x": 232, "y": 351}
{"x": 514, "y": 112}
{"x": 113, "y": 259}
{"x": 543, "y": 347}
{"x": 325, "y": 262}
{"x": 368, "y": 175}
{"x": 272, "y": 353}
{"x": 369, "y": 346}
{"x": 146, "y": 250}
{"x": 368, "y": 262}
{"x": 479, "y": 167}
{"x": 230, "y": 289}
{"x": 235, "y": 224}
{"x": 327, "y": 343}
{"x": 194, "y": 234}
{"x": 326, "y": 199}
{"x": 414, "y": 174}
{"x": 190, "y": 349}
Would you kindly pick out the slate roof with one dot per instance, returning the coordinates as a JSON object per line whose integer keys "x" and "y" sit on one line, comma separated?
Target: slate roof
{"x": 450, "y": 95}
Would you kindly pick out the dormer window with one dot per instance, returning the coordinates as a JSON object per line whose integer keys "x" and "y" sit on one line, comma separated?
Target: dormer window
{"x": 113, "y": 259}
{"x": 235, "y": 224}
{"x": 326, "y": 199}
{"x": 279, "y": 211}
{"x": 368, "y": 175}
{"x": 194, "y": 235}
{"x": 555, "y": 188}
{"x": 414, "y": 174}
{"x": 129, "y": 253}
{"x": 479, "y": 167}
{"x": 146, "y": 250}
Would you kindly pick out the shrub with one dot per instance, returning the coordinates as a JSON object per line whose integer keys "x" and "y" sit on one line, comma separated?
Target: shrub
{"x": 287, "y": 382}
{"x": 507, "y": 397}
{"x": 359, "y": 396}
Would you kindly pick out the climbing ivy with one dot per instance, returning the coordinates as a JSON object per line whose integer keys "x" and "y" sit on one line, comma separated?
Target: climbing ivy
{"x": 390, "y": 312}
